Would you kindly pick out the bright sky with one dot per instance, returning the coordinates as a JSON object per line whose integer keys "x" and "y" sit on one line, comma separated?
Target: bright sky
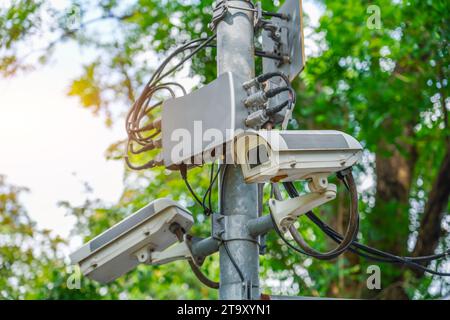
{"x": 51, "y": 145}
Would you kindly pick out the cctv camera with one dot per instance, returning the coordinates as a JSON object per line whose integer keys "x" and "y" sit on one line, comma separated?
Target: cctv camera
{"x": 118, "y": 250}
{"x": 281, "y": 156}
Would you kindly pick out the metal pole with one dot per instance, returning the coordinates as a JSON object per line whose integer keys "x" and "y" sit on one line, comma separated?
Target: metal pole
{"x": 238, "y": 201}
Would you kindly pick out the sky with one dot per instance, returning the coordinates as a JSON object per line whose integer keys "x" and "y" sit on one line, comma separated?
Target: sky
{"x": 51, "y": 145}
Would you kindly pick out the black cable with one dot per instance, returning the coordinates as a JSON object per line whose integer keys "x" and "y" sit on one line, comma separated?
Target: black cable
{"x": 258, "y": 53}
{"x": 280, "y": 234}
{"x": 208, "y": 191}
{"x": 189, "y": 56}
{"x": 359, "y": 248}
{"x": 176, "y": 229}
{"x": 384, "y": 257}
{"x": 141, "y": 109}
{"x": 263, "y": 54}
{"x": 276, "y": 15}
{"x": 223, "y": 170}
{"x": 266, "y": 76}
{"x": 269, "y": 75}
{"x": 350, "y": 234}
{"x": 230, "y": 256}
{"x": 273, "y": 92}
{"x": 273, "y": 110}
{"x": 211, "y": 186}
{"x": 200, "y": 276}
{"x": 183, "y": 172}
{"x": 212, "y": 181}
{"x": 367, "y": 251}
{"x": 187, "y": 46}
{"x": 194, "y": 194}
{"x": 337, "y": 238}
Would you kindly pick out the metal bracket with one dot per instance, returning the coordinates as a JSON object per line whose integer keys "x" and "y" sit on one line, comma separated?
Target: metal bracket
{"x": 263, "y": 245}
{"x": 258, "y": 17}
{"x": 235, "y": 225}
{"x": 219, "y": 12}
{"x": 217, "y": 226}
{"x": 221, "y": 8}
{"x": 285, "y": 212}
{"x": 285, "y": 38}
{"x": 179, "y": 251}
{"x": 247, "y": 290}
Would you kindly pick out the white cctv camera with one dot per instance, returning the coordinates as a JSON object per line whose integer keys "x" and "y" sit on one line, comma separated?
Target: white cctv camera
{"x": 281, "y": 156}
{"x": 142, "y": 237}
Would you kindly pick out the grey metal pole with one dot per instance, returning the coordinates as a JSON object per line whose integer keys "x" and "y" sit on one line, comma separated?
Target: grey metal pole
{"x": 238, "y": 201}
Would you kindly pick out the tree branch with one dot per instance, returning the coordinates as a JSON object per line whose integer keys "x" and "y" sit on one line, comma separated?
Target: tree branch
{"x": 430, "y": 226}
{"x": 67, "y": 33}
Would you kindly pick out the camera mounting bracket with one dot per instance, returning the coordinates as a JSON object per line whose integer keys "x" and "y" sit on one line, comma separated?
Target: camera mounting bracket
{"x": 286, "y": 212}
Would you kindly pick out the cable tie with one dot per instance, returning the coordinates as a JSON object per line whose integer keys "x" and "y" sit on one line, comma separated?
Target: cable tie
{"x": 343, "y": 173}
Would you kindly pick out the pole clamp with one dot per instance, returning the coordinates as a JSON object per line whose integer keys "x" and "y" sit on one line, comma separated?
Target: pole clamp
{"x": 219, "y": 12}
{"x": 221, "y": 8}
{"x": 231, "y": 228}
{"x": 180, "y": 251}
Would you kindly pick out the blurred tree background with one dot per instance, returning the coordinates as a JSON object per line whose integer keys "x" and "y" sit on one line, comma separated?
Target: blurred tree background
{"x": 385, "y": 84}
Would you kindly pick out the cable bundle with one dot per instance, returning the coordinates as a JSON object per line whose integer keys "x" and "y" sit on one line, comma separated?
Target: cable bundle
{"x": 142, "y": 128}
{"x": 350, "y": 234}
{"x": 353, "y": 245}
{"x": 290, "y": 103}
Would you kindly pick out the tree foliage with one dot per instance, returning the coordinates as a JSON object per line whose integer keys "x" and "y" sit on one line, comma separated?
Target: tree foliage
{"x": 387, "y": 85}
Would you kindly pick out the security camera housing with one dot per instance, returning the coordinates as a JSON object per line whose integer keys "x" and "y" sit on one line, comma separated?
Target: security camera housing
{"x": 113, "y": 253}
{"x": 281, "y": 156}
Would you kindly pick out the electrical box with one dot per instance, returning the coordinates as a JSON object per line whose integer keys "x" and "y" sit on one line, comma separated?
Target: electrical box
{"x": 196, "y": 126}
